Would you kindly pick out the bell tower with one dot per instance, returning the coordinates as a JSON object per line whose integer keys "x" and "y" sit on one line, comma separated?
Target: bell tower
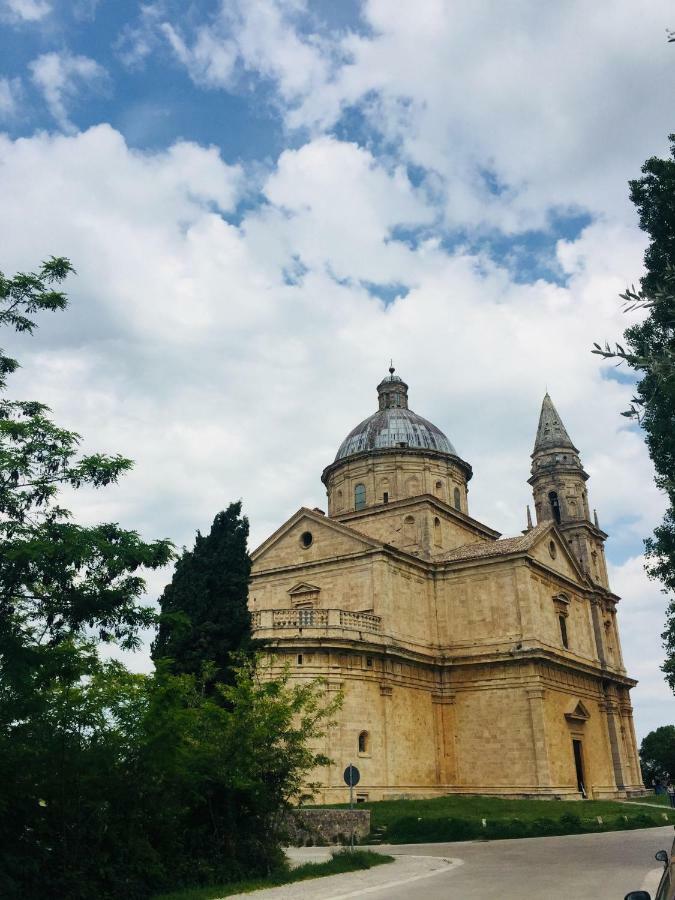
{"x": 559, "y": 487}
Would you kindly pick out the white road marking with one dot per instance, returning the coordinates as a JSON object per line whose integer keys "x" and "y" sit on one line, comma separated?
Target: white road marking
{"x": 451, "y": 864}
{"x": 651, "y": 880}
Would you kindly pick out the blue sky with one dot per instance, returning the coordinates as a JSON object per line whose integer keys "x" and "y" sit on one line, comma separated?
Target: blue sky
{"x": 266, "y": 201}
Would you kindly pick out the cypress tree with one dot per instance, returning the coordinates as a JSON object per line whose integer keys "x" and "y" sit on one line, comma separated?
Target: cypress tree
{"x": 204, "y": 612}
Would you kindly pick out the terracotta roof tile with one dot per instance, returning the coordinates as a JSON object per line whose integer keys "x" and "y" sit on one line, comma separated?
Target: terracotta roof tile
{"x": 486, "y": 549}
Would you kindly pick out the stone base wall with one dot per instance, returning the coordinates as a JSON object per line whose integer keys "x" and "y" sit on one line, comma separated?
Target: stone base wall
{"x": 317, "y": 827}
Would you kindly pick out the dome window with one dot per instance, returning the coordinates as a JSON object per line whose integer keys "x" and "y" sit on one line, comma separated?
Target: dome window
{"x": 457, "y": 499}
{"x": 359, "y": 496}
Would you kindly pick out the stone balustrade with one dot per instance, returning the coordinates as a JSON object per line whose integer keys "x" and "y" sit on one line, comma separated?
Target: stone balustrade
{"x": 295, "y": 619}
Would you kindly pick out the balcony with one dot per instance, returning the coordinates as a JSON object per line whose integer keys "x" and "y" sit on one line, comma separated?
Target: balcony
{"x": 297, "y": 619}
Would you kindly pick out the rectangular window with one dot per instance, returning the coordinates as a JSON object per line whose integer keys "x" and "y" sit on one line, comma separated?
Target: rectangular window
{"x": 563, "y": 631}
{"x": 385, "y": 497}
{"x": 359, "y": 496}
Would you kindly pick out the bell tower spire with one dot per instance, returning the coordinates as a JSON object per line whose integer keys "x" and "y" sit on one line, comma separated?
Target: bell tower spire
{"x": 559, "y": 487}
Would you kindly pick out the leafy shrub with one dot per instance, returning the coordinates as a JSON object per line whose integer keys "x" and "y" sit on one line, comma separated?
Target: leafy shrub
{"x": 570, "y": 823}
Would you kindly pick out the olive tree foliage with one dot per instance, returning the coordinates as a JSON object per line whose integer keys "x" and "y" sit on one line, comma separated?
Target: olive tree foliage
{"x": 649, "y": 350}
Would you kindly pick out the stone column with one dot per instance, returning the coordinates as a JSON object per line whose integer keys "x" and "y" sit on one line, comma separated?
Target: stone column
{"x": 610, "y": 708}
{"x": 386, "y": 691}
{"x": 444, "y": 725}
{"x": 631, "y": 745}
{"x": 598, "y": 630}
{"x": 536, "y": 698}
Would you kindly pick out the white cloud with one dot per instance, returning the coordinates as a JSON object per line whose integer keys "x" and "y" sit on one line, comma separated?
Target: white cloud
{"x": 24, "y": 10}
{"x": 10, "y": 92}
{"x": 641, "y": 620}
{"x": 229, "y": 360}
{"x": 61, "y": 77}
{"x": 515, "y": 115}
{"x": 210, "y": 60}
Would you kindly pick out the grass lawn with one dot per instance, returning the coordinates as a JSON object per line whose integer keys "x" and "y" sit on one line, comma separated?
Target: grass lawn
{"x": 459, "y": 817}
{"x": 344, "y": 861}
{"x": 661, "y": 799}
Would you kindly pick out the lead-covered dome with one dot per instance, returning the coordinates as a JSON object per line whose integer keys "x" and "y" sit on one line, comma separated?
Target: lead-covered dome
{"x": 394, "y": 425}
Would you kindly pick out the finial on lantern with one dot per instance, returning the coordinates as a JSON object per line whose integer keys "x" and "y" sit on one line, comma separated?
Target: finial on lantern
{"x": 391, "y": 367}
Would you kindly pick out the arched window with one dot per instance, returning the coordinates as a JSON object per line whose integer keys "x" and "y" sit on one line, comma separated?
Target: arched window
{"x": 437, "y": 531}
{"x": 555, "y": 505}
{"x": 359, "y": 496}
{"x": 409, "y": 529}
{"x": 457, "y": 498}
{"x": 364, "y": 742}
{"x": 338, "y": 500}
{"x": 439, "y": 489}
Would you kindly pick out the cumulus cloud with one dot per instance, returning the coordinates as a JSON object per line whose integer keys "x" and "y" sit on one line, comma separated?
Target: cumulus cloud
{"x": 641, "y": 616}
{"x": 10, "y": 91}
{"x": 61, "y": 77}
{"x": 228, "y": 349}
{"x": 510, "y": 117}
{"x": 24, "y": 10}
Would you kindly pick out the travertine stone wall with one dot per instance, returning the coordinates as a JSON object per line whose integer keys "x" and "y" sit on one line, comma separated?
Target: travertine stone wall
{"x": 455, "y": 671}
{"x": 399, "y": 475}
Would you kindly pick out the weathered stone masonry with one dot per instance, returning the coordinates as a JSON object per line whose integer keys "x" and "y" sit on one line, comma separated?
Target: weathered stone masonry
{"x": 469, "y": 663}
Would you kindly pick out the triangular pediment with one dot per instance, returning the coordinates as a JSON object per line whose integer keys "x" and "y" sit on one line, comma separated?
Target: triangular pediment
{"x": 304, "y": 588}
{"x": 550, "y": 548}
{"x": 308, "y": 537}
{"x": 577, "y": 712}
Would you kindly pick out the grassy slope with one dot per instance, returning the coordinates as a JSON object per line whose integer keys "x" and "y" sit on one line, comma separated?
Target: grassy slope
{"x": 461, "y": 818}
{"x": 340, "y": 863}
{"x": 477, "y": 808}
{"x": 661, "y": 799}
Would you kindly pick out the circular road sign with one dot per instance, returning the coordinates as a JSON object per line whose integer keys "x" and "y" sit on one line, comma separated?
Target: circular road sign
{"x": 352, "y": 776}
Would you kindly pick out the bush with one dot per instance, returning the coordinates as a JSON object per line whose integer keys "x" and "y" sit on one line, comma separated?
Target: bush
{"x": 409, "y": 829}
{"x": 570, "y": 823}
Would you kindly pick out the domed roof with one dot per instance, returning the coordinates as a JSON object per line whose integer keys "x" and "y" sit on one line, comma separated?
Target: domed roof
{"x": 394, "y": 425}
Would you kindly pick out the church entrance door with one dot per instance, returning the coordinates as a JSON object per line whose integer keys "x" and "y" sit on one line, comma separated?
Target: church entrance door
{"x": 579, "y": 766}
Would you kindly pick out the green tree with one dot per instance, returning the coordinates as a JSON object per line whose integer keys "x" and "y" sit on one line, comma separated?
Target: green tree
{"x": 649, "y": 350}
{"x": 657, "y": 756}
{"x": 60, "y": 585}
{"x": 116, "y": 785}
{"x": 205, "y": 616}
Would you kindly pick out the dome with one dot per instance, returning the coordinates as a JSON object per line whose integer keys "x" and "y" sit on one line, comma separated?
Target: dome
{"x": 394, "y": 425}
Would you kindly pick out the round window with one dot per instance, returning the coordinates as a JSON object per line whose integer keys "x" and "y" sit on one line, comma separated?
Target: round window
{"x": 552, "y": 549}
{"x": 306, "y": 538}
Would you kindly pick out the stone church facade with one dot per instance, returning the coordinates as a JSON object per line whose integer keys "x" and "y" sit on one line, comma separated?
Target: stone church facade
{"x": 468, "y": 662}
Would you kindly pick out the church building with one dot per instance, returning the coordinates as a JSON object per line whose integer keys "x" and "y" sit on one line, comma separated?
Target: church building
{"x": 468, "y": 662}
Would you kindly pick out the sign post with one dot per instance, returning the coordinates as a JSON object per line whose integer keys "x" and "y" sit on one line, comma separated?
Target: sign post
{"x": 352, "y": 776}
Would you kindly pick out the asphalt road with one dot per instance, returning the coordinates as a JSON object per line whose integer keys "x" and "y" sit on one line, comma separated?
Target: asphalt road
{"x": 573, "y": 867}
